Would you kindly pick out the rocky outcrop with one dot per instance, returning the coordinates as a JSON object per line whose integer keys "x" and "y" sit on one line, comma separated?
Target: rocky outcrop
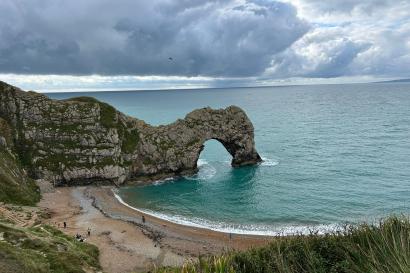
{"x": 83, "y": 140}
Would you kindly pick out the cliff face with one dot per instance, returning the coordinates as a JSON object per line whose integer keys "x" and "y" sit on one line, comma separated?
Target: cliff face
{"x": 82, "y": 140}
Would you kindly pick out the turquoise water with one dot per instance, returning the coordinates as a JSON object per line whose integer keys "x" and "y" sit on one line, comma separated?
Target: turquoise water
{"x": 333, "y": 154}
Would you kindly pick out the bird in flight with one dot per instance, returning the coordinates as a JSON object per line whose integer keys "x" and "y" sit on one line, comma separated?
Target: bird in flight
{"x": 170, "y": 58}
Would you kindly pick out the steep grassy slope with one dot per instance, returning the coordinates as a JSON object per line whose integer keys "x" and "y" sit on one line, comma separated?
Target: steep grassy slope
{"x": 43, "y": 249}
{"x": 384, "y": 248}
{"x": 15, "y": 186}
{"x": 26, "y": 246}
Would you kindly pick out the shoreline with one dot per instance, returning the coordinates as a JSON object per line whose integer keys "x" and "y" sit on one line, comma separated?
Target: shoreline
{"x": 112, "y": 205}
{"x": 269, "y": 232}
{"x": 127, "y": 244}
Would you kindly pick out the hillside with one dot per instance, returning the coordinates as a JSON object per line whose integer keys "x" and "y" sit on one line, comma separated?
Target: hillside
{"x": 381, "y": 248}
{"x": 26, "y": 246}
{"x": 16, "y": 186}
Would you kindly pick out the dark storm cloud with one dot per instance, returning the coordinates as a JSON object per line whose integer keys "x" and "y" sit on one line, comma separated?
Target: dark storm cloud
{"x": 209, "y": 38}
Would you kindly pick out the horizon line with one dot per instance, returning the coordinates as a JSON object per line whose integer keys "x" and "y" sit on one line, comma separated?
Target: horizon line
{"x": 96, "y": 90}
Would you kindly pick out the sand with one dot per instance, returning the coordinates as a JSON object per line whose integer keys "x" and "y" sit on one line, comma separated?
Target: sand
{"x": 127, "y": 244}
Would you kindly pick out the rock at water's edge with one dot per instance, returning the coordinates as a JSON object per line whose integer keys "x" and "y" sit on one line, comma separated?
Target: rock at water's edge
{"x": 83, "y": 140}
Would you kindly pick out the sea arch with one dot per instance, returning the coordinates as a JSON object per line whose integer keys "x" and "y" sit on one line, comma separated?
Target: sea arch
{"x": 174, "y": 149}
{"x": 231, "y": 127}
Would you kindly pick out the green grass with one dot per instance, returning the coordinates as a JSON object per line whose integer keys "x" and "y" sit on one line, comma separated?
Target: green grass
{"x": 44, "y": 249}
{"x": 382, "y": 248}
{"x": 130, "y": 140}
{"x": 5, "y": 130}
{"x": 16, "y": 187}
{"x": 108, "y": 119}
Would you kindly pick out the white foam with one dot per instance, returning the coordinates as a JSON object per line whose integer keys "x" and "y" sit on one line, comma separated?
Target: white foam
{"x": 238, "y": 229}
{"x": 205, "y": 171}
{"x": 201, "y": 162}
{"x": 269, "y": 162}
{"x": 162, "y": 181}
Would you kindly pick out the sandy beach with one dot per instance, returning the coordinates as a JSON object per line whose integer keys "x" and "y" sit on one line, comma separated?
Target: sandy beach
{"x": 126, "y": 243}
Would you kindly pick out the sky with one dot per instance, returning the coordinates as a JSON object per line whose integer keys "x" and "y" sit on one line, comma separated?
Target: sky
{"x": 59, "y": 45}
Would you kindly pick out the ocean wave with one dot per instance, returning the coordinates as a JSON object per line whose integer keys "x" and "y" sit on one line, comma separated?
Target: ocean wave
{"x": 269, "y": 162}
{"x": 205, "y": 171}
{"x": 264, "y": 230}
{"x": 162, "y": 181}
{"x": 201, "y": 162}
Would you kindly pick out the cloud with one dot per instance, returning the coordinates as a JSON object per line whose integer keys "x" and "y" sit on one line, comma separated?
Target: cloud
{"x": 371, "y": 38}
{"x": 211, "y": 43}
{"x": 348, "y": 6}
{"x": 232, "y": 38}
{"x": 322, "y": 53}
{"x": 389, "y": 53}
{"x": 337, "y": 11}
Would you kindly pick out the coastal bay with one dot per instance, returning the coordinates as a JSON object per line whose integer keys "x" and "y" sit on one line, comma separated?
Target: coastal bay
{"x": 321, "y": 166}
{"x": 332, "y": 154}
{"x": 127, "y": 244}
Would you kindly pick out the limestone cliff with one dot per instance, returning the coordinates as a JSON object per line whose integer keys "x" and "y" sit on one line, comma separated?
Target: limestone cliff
{"x": 83, "y": 140}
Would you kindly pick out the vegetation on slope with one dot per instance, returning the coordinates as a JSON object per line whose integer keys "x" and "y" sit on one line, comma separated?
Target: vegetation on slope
{"x": 43, "y": 249}
{"x": 16, "y": 187}
{"x": 130, "y": 138}
{"x": 108, "y": 113}
{"x": 383, "y": 248}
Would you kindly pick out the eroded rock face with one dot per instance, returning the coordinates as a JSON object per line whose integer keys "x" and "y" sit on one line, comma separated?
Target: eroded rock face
{"x": 82, "y": 140}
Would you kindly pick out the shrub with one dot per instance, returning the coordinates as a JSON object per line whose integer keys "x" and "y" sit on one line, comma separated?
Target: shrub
{"x": 381, "y": 248}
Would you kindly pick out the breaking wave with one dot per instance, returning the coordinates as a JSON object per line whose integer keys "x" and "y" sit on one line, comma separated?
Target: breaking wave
{"x": 269, "y": 162}
{"x": 205, "y": 171}
{"x": 162, "y": 181}
{"x": 278, "y": 230}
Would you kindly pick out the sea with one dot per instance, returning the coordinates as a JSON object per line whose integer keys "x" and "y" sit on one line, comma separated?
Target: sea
{"x": 333, "y": 155}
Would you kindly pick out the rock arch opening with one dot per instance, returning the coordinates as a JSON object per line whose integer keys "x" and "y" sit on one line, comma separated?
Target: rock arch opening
{"x": 213, "y": 150}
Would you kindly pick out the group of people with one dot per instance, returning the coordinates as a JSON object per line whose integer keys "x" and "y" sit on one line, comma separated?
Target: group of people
{"x": 80, "y": 238}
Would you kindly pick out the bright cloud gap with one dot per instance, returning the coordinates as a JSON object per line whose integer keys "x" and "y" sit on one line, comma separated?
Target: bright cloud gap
{"x": 69, "y": 83}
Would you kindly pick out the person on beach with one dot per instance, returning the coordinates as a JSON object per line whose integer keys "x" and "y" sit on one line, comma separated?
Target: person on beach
{"x": 79, "y": 238}
{"x": 65, "y": 225}
{"x": 143, "y": 219}
{"x": 89, "y": 232}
